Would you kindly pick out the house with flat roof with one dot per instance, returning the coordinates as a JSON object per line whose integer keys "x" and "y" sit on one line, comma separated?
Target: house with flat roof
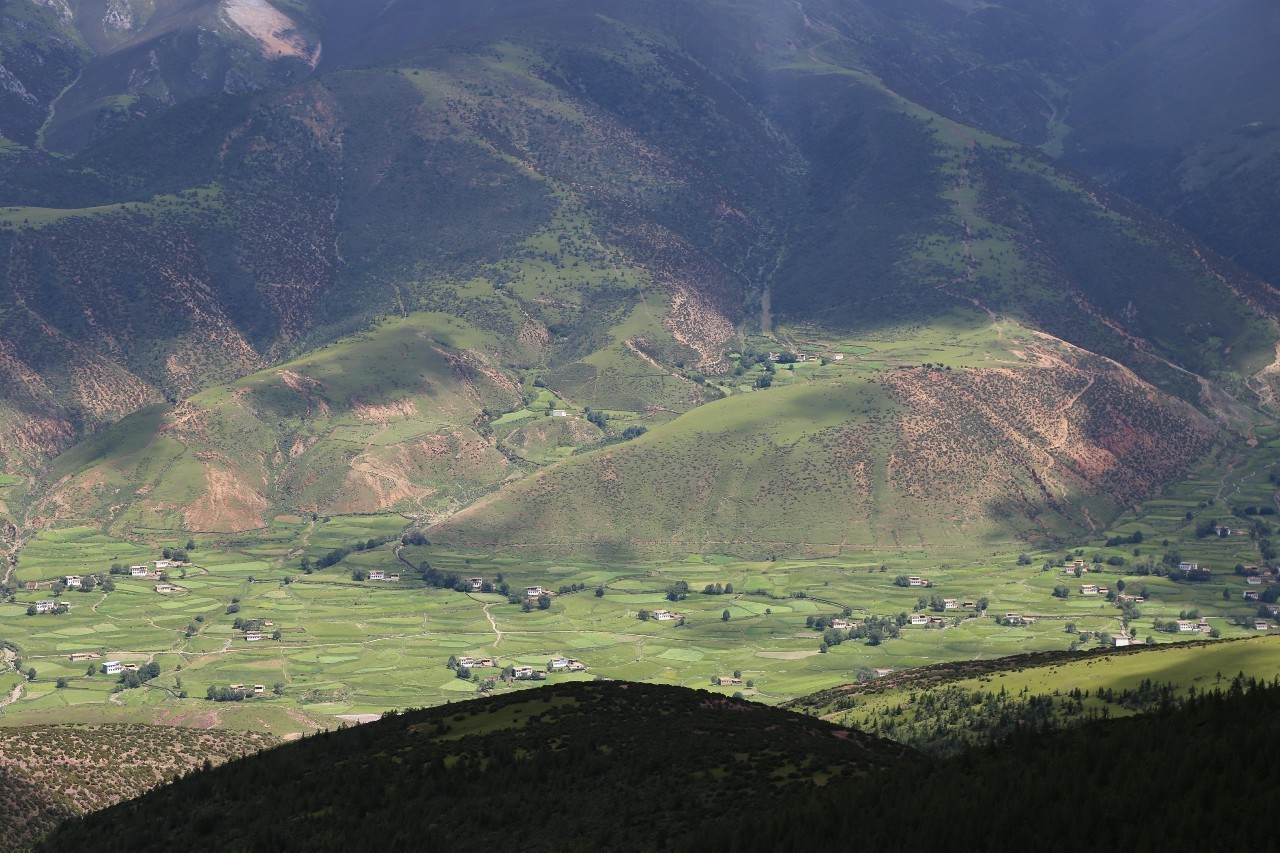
{"x": 112, "y": 667}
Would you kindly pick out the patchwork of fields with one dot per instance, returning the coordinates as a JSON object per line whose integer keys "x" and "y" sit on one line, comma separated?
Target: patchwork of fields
{"x": 350, "y": 647}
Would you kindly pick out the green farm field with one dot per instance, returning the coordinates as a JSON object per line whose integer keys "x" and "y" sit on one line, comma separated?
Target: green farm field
{"x": 359, "y": 647}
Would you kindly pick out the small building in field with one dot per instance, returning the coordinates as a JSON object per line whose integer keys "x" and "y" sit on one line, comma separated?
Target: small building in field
{"x": 915, "y": 581}
{"x": 841, "y": 624}
{"x": 882, "y": 672}
{"x": 252, "y": 636}
{"x": 1252, "y": 580}
{"x": 535, "y": 592}
{"x": 488, "y": 662}
{"x": 112, "y": 667}
{"x": 728, "y": 681}
{"x": 236, "y": 688}
{"x": 138, "y": 571}
{"x": 1252, "y": 595}
{"x": 950, "y": 604}
{"x": 664, "y": 615}
{"x": 1089, "y": 589}
{"x": 1120, "y": 642}
{"x": 165, "y": 588}
{"x": 377, "y": 575}
{"x": 47, "y": 606}
{"x": 559, "y": 413}
{"x": 576, "y": 665}
{"x": 162, "y": 564}
{"x": 75, "y": 656}
{"x": 476, "y": 584}
{"x": 393, "y": 578}
{"x": 557, "y": 664}
{"x": 130, "y": 667}
{"x": 919, "y": 619}
{"x": 1013, "y": 619}
{"x": 1186, "y": 626}
{"x": 522, "y": 673}
{"x": 1261, "y": 625}
{"x": 74, "y": 581}
{"x": 1203, "y": 627}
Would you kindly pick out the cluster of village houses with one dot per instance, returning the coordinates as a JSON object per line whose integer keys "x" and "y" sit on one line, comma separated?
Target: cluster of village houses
{"x": 527, "y": 673}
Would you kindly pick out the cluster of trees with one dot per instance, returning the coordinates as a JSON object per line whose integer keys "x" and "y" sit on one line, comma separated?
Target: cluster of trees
{"x": 678, "y": 591}
{"x": 873, "y": 630}
{"x": 414, "y": 537}
{"x": 717, "y": 589}
{"x": 1134, "y": 538}
{"x": 337, "y": 555}
{"x": 226, "y": 694}
{"x": 136, "y": 678}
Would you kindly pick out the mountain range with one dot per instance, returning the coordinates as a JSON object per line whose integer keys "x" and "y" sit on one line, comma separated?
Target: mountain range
{"x": 258, "y": 258}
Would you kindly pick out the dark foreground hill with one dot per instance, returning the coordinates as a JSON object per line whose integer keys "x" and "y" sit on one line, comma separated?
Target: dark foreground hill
{"x": 594, "y": 766}
{"x": 638, "y": 767}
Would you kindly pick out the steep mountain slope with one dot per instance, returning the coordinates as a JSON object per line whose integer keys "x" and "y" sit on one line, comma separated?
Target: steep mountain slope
{"x": 1187, "y": 122}
{"x": 614, "y": 194}
{"x": 75, "y": 70}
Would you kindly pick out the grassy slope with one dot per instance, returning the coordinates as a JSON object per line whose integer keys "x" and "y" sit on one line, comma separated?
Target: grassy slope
{"x": 858, "y": 457}
{"x": 385, "y": 419}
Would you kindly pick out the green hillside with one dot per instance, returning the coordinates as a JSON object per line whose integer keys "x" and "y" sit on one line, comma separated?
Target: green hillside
{"x": 871, "y": 452}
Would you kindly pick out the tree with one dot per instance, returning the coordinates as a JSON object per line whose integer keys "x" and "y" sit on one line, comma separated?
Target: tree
{"x": 634, "y": 431}
{"x": 276, "y": 635}
{"x": 737, "y": 673}
{"x": 277, "y": 689}
{"x": 600, "y": 591}
{"x": 191, "y": 544}
{"x": 1061, "y": 591}
{"x": 31, "y": 674}
{"x": 983, "y": 602}
{"x": 31, "y": 610}
{"x": 60, "y": 683}
{"x": 728, "y": 589}
{"x": 544, "y": 602}
{"x": 644, "y": 615}
{"x": 92, "y": 670}
{"x": 724, "y": 617}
